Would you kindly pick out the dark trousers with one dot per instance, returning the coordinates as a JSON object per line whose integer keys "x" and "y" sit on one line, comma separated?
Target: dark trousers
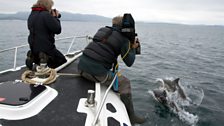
{"x": 55, "y": 58}
{"x": 124, "y": 86}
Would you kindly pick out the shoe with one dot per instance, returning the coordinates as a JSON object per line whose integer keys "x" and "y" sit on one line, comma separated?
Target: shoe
{"x": 43, "y": 57}
{"x": 29, "y": 60}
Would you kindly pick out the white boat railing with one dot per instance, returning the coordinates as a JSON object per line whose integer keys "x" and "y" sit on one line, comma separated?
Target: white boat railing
{"x": 102, "y": 103}
{"x": 16, "y": 48}
{"x": 15, "y": 53}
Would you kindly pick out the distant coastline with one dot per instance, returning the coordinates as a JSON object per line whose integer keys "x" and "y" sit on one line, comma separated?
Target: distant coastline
{"x": 66, "y": 16}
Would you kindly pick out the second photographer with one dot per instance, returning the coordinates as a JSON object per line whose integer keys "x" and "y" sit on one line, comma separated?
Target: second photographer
{"x": 43, "y": 24}
{"x": 99, "y": 60}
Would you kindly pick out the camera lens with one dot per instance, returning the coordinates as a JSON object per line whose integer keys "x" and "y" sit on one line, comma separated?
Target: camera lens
{"x": 138, "y": 49}
{"x": 59, "y": 15}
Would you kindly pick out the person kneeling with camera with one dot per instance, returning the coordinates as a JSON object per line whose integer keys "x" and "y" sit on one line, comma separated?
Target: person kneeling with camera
{"x": 43, "y": 23}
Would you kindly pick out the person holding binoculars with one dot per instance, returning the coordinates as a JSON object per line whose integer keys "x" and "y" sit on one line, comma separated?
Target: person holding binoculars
{"x": 43, "y": 23}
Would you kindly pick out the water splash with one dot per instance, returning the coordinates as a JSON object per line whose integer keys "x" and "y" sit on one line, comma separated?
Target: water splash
{"x": 187, "y": 117}
{"x": 177, "y": 104}
{"x": 195, "y": 94}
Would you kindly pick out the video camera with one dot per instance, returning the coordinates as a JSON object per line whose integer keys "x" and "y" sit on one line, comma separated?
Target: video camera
{"x": 128, "y": 30}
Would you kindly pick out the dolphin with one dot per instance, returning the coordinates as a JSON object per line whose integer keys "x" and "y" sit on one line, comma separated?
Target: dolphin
{"x": 171, "y": 95}
{"x": 172, "y": 86}
{"x": 169, "y": 86}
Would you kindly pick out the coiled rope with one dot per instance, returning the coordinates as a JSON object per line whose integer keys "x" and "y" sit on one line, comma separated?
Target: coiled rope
{"x": 44, "y": 75}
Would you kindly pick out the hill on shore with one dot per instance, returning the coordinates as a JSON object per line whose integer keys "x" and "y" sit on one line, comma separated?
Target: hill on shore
{"x": 65, "y": 16}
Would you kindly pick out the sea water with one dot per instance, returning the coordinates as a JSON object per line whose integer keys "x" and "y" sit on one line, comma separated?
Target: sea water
{"x": 195, "y": 54}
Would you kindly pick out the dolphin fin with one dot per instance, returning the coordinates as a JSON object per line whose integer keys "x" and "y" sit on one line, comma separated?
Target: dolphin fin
{"x": 177, "y": 80}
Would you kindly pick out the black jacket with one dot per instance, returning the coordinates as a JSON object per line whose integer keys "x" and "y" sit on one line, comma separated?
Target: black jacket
{"x": 42, "y": 26}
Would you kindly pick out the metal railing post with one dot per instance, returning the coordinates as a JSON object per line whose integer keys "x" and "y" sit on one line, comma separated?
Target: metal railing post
{"x": 73, "y": 40}
{"x": 15, "y": 58}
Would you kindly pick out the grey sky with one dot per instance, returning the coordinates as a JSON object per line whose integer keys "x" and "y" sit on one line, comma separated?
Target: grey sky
{"x": 174, "y": 11}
